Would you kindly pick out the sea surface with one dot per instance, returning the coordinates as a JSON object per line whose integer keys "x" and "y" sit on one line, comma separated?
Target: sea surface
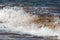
{"x": 53, "y": 7}
{"x": 38, "y": 3}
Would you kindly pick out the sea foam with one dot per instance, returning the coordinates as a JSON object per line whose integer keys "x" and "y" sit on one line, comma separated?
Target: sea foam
{"x": 16, "y": 20}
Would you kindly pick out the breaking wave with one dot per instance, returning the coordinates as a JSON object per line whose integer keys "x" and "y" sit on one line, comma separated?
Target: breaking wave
{"x": 16, "y": 20}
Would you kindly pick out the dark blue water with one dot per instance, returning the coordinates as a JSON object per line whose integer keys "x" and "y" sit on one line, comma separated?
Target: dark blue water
{"x": 38, "y": 3}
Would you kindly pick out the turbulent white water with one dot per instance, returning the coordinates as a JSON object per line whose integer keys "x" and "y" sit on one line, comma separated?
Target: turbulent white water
{"x": 16, "y": 20}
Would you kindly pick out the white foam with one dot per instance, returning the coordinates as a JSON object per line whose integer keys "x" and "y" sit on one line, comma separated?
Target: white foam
{"x": 15, "y": 19}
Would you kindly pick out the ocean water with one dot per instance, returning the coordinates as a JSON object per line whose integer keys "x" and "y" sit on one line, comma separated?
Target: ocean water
{"x": 38, "y": 3}
{"x": 14, "y": 18}
{"x": 15, "y": 21}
